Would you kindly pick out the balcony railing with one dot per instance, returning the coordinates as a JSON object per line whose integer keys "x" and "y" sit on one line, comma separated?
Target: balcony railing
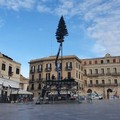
{"x": 92, "y": 75}
{"x": 103, "y": 85}
{"x": 48, "y": 69}
{"x": 102, "y": 74}
{"x": 115, "y": 74}
{"x": 32, "y": 71}
{"x": 31, "y": 81}
{"x": 68, "y": 68}
{"x": 39, "y": 70}
{"x": 10, "y": 73}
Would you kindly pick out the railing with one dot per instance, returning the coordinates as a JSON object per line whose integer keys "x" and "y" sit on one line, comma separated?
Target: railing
{"x": 92, "y": 75}
{"x": 10, "y": 73}
{"x": 39, "y": 70}
{"x": 102, "y": 74}
{"x": 48, "y": 69}
{"x": 31, "y": 71}
{"x": 103, "y": 85}
{"x": 68, "y": 68}
{"x": 115, "y": 74}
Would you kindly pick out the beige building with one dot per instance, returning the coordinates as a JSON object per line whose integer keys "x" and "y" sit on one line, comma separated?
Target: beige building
{"x": 24, "y": 83}
{"x": 9, "y": 75}
{"x": 102, "y": 75}
{"x": 9, "y": 68}
{"x": 99, "y": 75}
{"x": 44, "y": 69}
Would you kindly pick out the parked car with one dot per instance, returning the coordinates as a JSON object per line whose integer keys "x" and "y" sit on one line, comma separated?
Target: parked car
{"x": 96, "y": 96}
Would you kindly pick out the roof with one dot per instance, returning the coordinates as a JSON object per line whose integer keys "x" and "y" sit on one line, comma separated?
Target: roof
{"x": 51, "y": 58}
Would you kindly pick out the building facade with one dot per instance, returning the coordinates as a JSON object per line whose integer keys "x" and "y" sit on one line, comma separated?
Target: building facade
{"x": 9, "y": 75}
{"x": 45, "y": 69}
{"x": 102, "y": 75}
{"x": 99, "y": 75}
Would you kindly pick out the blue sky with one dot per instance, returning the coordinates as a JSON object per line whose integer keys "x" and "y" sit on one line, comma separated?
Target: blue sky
{"x": 27, "y": 28}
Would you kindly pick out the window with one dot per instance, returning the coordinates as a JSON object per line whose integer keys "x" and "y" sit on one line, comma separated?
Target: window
{"x": 32, "y": 69}
{"x": 32, "y": 87}
{"x": 76, "y": 65}
{"x": 48, "y": 66}
{"x": 79, "y": 75}
{"x": 10, "y": 71}
{"x": 90, "y": 71}
{"x": 3, "y": 66}
{"x": 114, "y": 70}
{"x": 47, "y": 76}
{"x": 59, "y": 65}
{"x": 85, "y": 72}
{"x": 114, "y": 60}
{"x": 17, "y": 71}
{"x": 95, "y": 61}
{"x": 85, "y": 63}
{"x": 96, "y": 71}
{"x": 102, "y": 71}
{"x": 103, "y": 82}
{"x": 69, "y": 75}
{"x": 79, "y": 66}
{"x": 76, "y": 74}
{"x": 85, "y": 82}
{"x": 39, "y": 86}
{"x": 115, "y": 81}
{"x": 32, "y": 77}
{"x": 69, "y": 65}
{"x": 39, "y": 68}
{"x": 91, "y": 82}
{"x": 108, "y": 61}
{"x": 109, "y": 81}
{"x": 108, "y": 70}
{"x": 97, "y": 82}
{"x": 90, "y": 62}
{"x": 101, "y": 61}
{"x": 39, "y": 76}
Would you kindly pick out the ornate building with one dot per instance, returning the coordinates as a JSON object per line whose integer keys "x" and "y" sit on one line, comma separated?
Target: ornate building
{"x": 44, "y": 69}
{"x": 9, "y": 76}
{"x": 99, "y": 75}
{"x": 102, "y": 75}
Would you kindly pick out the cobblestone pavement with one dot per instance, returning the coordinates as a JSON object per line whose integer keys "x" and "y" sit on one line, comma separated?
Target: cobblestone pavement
{"x": 98, "y": 110}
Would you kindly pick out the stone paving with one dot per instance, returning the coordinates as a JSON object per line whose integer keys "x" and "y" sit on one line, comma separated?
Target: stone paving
{"x": 98, "y": 110}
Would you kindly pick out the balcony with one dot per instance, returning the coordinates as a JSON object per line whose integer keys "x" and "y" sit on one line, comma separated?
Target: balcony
{"x": 10, "y": 73}
{"x": 48, "y": 69}
{"x": 68, "y": 68}
{"x": 39, "y": 70}
{"x": 103, "y": 85}
{"x": 31, "y": 81}
{"x": 39, "y": 80}
{"x": 115, "y": 74}
{"x": 32, "y": 71}
{"x": 92, "y": 75}
{"x": 59, "y": 69}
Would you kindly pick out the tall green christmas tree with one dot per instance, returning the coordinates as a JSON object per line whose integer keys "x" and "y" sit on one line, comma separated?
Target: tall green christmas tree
{"x": 61, "y": 30}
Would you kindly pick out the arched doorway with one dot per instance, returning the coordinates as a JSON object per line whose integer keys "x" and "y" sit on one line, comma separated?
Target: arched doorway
{"x": 89, "y": 91}
{"x": 108, "y": 92}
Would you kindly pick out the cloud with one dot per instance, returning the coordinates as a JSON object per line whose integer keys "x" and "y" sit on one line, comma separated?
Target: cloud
{"x": 101, "y": 21}
{"x": 17, "y": 4}
{"x": 1, "y": 22}
{"x": 100, "y": 18}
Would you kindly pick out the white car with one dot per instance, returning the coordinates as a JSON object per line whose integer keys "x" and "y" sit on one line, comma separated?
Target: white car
{"x": 96, "y": 96}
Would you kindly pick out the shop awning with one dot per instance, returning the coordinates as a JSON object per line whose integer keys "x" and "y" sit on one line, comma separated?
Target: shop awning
{"x": 9, "y": 83}
{"x": 21, "y": 92}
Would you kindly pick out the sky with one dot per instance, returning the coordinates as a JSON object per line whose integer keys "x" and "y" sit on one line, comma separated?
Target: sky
{"x": 28, "y": 27}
